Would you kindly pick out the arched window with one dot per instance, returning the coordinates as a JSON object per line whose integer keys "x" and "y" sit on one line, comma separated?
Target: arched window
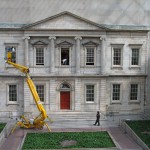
{"x": 64, "y": 86}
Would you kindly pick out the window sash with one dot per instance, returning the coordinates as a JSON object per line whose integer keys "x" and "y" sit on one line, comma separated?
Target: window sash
{"x": 116, "y": 56}
{"x": 13, "y": 93}
{"x": 39, "y": 56}
{"x": 116, "y": 92}
{"x": 41, "y": 92}
{"x": 135, "y": 56}
{"x": 90, "y": 93}
{"x": 134, "y": 92}
{"x": 90, "y": 53}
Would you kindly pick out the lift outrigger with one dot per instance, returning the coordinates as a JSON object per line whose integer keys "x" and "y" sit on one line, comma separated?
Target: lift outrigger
{"x": 39, "y": 121}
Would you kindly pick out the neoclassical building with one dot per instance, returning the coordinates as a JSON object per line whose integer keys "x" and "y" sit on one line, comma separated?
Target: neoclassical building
{"x": 77, "y": 66}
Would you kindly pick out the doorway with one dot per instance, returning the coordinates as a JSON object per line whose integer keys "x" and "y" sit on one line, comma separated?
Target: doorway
{"x": 65, "y": 100}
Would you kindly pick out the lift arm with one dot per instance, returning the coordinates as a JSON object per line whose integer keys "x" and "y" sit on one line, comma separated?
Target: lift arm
{"x": 39, "y": 120}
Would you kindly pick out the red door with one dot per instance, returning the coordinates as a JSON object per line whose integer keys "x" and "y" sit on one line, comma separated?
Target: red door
{"x": 64, "y": 100}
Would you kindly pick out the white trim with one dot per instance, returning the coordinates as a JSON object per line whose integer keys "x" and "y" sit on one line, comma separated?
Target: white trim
{"x": 138, "y": 47}
{"x": 34, "y": 55}
{"x": 7, "y": 94}
{"x": 116, "y": 101}
{"x": 95, "y": 95}
{"x": 85, "y": 54}
{"x": 138, "y": 94}
{"x": 112, "y": 55}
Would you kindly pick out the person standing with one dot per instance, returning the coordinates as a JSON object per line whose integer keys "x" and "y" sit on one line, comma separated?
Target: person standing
{"x": 97, "y": 118}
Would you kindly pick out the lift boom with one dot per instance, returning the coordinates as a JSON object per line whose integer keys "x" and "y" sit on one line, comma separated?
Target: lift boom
{"x": 39, "y": 121}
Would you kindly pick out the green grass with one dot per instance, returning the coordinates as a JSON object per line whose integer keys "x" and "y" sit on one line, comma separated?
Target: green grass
{"x": 53, "y": 140}
{"x": 2, "y": 125}
{"x": 142, "y": 129}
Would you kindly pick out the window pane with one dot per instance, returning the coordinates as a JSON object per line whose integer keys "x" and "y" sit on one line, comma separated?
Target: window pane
{"x": 40, "y": 91}
{"x": 89, "y": 56}
{"x": 13, "y": 51}
{"x": 90, "y": 93}
{"x": 134, "y": 92}
{"x": 39, "y": 56}
{"x": 116, "y": 92}
{"x": 64, "y": 56}
{"x": 135, "y": 56}
{"x": 117, "y": 56}
{"x": 12, "y": 92}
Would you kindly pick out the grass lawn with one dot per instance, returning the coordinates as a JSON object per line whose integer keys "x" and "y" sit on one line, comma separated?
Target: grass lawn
{"x": 2, "y": 125}
{"x": 58, "y": 140}
{"x": 142, "y": 129}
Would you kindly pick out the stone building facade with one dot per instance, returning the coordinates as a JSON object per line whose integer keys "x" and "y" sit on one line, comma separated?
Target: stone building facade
{"x": 77, "y": 65}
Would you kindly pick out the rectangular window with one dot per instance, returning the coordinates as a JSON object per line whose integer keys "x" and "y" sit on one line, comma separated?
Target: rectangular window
{"x": 116, "y": 92}
{"x": 13, "y": 93}
{"x": 64, "y": 56}
{"x": 11, "y": 49}
{"x": 90, "y": 93}
{"x": 40, "y": 56}
{"x": 134, "y": 92}
{"x": 116, "y": 56}
{"x": 89, "y": 56}
{"x": 135, "y": 56}
{"x": 40, "y": 91}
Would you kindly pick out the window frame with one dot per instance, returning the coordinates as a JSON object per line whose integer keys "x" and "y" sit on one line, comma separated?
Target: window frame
{"x": 116, "y": 101}
{"x": 69, "y": 49}
{"x": 85, "y": 91}
{"x": 138, "y": 93}
{"x": 12, "y": 102}
{"x": 44, "y": 50}
{"x": 15, "y": 45}
{"x": 139, "y": 59}
{"x": 94, "y": 49}
{"x": 117, "y": 46}
{"x": 44, "y": 92}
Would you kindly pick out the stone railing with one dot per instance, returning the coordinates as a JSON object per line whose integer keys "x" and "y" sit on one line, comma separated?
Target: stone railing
{"x": 132, "y": 134}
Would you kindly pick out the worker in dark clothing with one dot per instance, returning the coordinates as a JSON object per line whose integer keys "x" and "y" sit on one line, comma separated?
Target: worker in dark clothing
{"x": 97, "y": 118}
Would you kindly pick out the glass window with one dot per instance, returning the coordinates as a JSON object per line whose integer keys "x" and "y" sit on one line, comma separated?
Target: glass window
{"x": 135, "y": 56}
{"x": 90, "y": 93}
{"x": 64, "y": 56}
{"x": 12, "y": 93}
{"x": 39, "y": 56}
{"x": 11, "y": 49}
{"x": 89, "y": 56}
{"x": 116, "y": 92}
{"x": 117, "y": 56}
{"x": 40, "y": 91}
{"x": 134, "y": 92}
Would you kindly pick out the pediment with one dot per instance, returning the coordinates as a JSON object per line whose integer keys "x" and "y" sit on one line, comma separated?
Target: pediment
{"x": 40, "y": 43}
{"x": 90, "y": 43}
{"x": 65, "y": 44}
{"x": 65, "y": 21}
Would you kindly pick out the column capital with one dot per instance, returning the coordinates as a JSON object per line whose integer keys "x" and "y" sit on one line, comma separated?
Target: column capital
{"x": 78, "y": 38}
{"x": 102, "y": 38}
{"x": 52, "y": 37}
{"x": 26, "y": 37}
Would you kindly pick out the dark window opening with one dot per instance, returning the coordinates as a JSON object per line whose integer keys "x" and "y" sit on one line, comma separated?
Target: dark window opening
{"x": 64, "y": 56}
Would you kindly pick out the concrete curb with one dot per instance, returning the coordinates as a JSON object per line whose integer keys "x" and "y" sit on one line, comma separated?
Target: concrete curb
{"x": 132, "y": 134}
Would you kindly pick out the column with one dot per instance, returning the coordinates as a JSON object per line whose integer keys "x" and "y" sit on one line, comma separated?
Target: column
{"x": 103, "y": 43}
{"x": 52, "y": 53}
{"x": 26, "y": 39}
{"x": 78, "y": 47}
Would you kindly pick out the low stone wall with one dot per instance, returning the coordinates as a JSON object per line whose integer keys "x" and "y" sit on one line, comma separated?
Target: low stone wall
{"x": 3, "y": 134}
{"x": 132, "y": 134}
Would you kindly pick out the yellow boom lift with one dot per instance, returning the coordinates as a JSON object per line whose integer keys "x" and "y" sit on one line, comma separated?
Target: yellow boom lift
{"x": 38, "y": 121}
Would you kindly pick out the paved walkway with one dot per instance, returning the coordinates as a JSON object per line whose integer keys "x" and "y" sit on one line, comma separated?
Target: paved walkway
{"x": 122, "y": 140}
